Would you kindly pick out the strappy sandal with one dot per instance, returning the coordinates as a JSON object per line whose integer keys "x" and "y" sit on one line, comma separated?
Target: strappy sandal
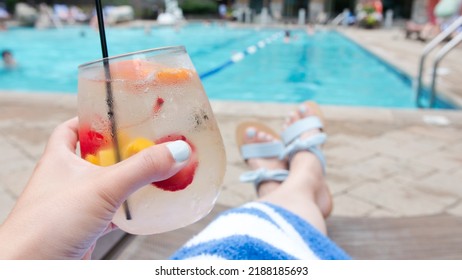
{"x": 293, "y": 143}
{"x": 272, "y": 149}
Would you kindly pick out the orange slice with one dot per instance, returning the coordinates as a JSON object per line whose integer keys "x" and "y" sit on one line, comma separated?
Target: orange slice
{"x": 173, "y": 75}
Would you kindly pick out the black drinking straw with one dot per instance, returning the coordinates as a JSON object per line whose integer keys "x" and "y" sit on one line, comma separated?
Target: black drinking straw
{"x": 109, "y": 98}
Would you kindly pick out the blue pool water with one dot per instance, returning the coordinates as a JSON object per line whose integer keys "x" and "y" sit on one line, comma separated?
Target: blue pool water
{"x": 325, "y": 67}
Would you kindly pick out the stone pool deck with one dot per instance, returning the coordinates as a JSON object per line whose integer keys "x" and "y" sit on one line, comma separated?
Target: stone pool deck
{"x": 381, "y": 162}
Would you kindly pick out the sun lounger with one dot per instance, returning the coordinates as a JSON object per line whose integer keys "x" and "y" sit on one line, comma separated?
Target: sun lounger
{"x": 425, "y": 237}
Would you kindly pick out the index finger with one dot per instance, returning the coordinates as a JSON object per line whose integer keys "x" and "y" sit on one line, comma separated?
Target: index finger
{"x": 65, "y": 135}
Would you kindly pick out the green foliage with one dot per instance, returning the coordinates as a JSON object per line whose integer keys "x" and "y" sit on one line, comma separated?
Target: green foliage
{"x": 10, "y": 4}
{"x": 369, "y": 9}
{"x": 199, "y": 7}
{"x": 117, "y": 2}
{"x": 370, "y": 21}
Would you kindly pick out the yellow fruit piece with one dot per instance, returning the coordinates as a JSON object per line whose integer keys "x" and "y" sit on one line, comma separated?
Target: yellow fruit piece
{"x": 123, "y": 138}
{"x": 92, "y": 158}
{"x": 136, "y": 146}
{"x": 106, "y": 157}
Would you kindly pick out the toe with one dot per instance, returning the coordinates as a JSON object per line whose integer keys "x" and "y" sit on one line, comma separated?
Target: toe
{"x": 264, "y": 137}
{"x": 303, "y": 111}
{"x": 250, "y": 135}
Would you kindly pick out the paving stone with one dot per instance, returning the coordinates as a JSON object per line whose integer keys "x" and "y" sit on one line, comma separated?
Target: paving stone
{"x": 366, "y": 129}
{"x": 443, "y": 184}
{"x": 348, "y": 206}
{"x": 340, "y": 139}
{"x": 441, "y": 160}
{"x": 6, "y": 204}
{"x": 377, "y": 167}
{"x": 404, "y": 182}
{"x": 15, "y": 176}
{"x": 400, "y": 136}
{"x": 456, "y": 210}
{"x": 414, "y": 170}
{"x": 454, "y": 148}
{"x": 343, "y": 176}
{"x": 9, "y": 152}
{"x": 382, "y": 213}
{"x": 402, "y": 149}
{"x": 233, "y": 198}
{"x": 448, "y": 134}
{"x": 405, "y": 201}
{"x": 344, "y": 115}
{"x": 345, "y": 155}
{"x": 339, "y": 183}
{"x": 235, "y": 193}
{"x": 31, "y": 139}
{"x": 382, "y": 145}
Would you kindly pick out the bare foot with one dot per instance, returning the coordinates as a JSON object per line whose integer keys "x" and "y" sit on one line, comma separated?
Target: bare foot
{"x": 253, "y": 135}
{"x": 305, "y": 168}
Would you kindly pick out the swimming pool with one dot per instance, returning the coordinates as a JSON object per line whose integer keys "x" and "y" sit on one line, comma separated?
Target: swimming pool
{"x": 326, "y": 66}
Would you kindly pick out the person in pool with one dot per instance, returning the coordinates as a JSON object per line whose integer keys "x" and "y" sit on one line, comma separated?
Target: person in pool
{"x": 8, "y": 59}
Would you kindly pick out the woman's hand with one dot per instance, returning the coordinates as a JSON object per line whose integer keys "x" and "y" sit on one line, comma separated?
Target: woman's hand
{"x": 69, "y": 203}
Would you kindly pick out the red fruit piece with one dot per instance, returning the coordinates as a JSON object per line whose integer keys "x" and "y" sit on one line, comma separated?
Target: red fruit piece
{"x": 90, "y": 140}
{"x": 185, "y": 176}
{"x": 158, "y": 105}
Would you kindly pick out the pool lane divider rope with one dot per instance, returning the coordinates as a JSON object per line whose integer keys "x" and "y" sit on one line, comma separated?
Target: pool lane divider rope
{"x": 235, "y": 58}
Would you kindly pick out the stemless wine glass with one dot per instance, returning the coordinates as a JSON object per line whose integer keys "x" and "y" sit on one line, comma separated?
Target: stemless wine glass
{"x": 130, "y": 102}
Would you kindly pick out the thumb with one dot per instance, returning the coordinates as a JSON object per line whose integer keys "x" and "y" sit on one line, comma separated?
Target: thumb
{"x": 155, "y": 163}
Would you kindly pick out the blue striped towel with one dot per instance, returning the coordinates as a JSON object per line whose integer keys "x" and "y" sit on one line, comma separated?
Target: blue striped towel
{"x": 260, "y": 231}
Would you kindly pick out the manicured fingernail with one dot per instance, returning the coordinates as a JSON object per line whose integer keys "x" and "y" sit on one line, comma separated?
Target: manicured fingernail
{"x": 302, "y": 109}
{"x": 180, "y": 150}
{"x": 250, "y": 132}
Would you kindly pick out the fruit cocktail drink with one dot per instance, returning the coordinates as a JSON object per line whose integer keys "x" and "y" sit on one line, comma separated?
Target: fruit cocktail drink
{"x": 157, "y": 97}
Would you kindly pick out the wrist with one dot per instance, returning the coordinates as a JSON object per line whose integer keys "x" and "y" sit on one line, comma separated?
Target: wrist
{"x": 18, "y": 243}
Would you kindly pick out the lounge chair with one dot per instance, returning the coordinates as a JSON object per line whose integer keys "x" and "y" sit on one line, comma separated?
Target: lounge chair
{"x": 424, "y": 237}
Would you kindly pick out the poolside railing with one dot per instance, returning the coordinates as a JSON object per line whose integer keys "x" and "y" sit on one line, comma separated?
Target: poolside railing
{"x": 439, "y": 56}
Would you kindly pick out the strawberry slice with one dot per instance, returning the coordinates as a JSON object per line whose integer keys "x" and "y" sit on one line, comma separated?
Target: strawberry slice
{"x": 185, "y": 176}
{"x": 90, "y": 140}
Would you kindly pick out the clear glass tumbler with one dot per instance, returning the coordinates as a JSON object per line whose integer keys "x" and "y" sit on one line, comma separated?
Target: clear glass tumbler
{"x": 130, "y": 102}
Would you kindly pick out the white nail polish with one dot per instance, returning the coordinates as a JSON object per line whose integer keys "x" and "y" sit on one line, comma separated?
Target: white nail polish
{"x": 180, "y": 150}
{"x": 250, "y": 132}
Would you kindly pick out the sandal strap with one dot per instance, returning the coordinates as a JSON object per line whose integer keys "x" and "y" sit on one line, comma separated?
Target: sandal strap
{"x": 263, "y": 174}
{"x": 262, "y": 150}
{"x": 299, "y": 127}
{"x": 310, "y": 144}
